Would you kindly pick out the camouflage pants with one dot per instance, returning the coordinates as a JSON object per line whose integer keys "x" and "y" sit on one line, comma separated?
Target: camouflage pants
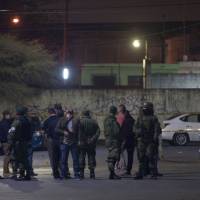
{"x": 113, "y": 157}
{"x": 90, "y": 152}
{"x": 147, "y": 155}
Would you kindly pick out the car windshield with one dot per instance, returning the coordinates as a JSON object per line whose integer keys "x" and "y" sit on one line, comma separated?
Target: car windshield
{"x": 174, "y": 116}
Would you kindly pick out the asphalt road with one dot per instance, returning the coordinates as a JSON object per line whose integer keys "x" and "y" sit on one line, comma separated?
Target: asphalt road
{"x": 181, "y": 181}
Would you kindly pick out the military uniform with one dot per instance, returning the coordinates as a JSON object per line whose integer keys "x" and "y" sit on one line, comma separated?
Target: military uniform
{"x": 112, "y": 140}
{"x": 147, "y": 135}
{"x": 19, "y": 137}
{"x": 89, "y": 133}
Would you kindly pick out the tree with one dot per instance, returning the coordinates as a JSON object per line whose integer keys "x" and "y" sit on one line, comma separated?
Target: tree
{"x": 24, "y": 66}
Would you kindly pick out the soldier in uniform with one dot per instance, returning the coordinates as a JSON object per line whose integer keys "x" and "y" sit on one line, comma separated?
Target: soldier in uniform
{"x": 113, "y": 141}
{"x": 147, "y": 136}
{"x": 19, "y": 137}
{"x": 89, "y": 133}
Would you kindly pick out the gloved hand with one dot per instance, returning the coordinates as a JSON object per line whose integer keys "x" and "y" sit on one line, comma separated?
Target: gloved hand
{"x": 90, "y": 141}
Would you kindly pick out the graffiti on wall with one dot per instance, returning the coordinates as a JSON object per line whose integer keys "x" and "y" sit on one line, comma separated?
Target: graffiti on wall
{"x": 166, "y": 103}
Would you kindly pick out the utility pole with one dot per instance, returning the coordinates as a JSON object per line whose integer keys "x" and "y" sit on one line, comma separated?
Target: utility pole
{"x": 66, "y": 32}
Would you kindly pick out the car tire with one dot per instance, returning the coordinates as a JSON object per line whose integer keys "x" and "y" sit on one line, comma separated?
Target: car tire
{"x": 181, "y": 139}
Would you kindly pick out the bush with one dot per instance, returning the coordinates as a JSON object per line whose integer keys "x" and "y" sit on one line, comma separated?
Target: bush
{"x": 24, "y": 66}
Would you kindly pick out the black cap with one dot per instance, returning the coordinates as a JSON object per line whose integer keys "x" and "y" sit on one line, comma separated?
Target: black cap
{"x": 51, "y": 110}
{"x": 58, "y": 106}
{"x": 5, "y": 112}
{"x": 113, "y": 109}
{"x": 21, "y": 110}
{"x": 86, "y": 113}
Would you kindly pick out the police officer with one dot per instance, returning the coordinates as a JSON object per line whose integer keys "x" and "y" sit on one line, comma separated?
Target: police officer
{"x": 113, "y": 141}
{"x": 147, "y": 135}
{"x": 88, "y": 135}
{"x": 19, "y": 137}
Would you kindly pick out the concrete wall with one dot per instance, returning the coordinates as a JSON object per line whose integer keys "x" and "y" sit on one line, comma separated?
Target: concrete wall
{"x": 167, "y": 102}
{"x": 176, "y": 81}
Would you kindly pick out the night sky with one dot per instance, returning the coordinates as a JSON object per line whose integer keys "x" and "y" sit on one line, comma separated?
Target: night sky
{"x": 92, "y": 11}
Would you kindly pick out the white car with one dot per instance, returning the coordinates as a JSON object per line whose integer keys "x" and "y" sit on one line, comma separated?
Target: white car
{"x": 182, "y": 129}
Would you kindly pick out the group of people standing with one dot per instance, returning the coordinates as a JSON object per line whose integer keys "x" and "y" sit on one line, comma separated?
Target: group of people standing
{"x": 16, "y": 141}
{"x": 64, "y": 133}
{"x": 123, "y": 133}
{"x": 78, "y": 135}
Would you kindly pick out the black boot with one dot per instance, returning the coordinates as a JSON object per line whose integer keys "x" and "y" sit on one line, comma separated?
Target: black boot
{"x": 159, "y": 174}
{"x": 20, "y": 177}
{"x": 92, "y": 174}
{"x": 113, "y": 176}
{"x": 27, "y": 178}
{"x": 33, "y": 174}
{"x": 116, "y": 177}
{"x": 14, "y": 177}
{"x": 138, "y": 176}
{"x": 82, "y": 176}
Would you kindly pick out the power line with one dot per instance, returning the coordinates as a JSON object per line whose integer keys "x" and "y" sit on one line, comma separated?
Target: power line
{"x": 142, "y": 37}
{"x": 77, "y": 10}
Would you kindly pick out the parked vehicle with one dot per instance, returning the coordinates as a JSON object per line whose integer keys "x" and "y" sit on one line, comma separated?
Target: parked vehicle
{"x": 182, "y": 129}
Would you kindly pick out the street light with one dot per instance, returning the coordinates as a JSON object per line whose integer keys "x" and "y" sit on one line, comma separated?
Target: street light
{"x": 146, "y": 63}
{"x": 136, "y": 43}
{"x": 66, "y": 73}
{"x": 15, "y": 20}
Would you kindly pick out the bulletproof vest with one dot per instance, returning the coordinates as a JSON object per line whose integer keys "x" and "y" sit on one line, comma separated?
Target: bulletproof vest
{"x": 148, "y": 127}
{"x": 23, "y": 130}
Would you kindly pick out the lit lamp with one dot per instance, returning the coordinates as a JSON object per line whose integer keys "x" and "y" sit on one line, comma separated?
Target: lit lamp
{"x": 136, "y": 43}
{"x": 15, "y": 20}
{"x": 66, "y": 73}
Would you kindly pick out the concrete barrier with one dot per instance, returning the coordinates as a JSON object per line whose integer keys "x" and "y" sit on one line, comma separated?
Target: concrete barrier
{"x": 167, "y": 101}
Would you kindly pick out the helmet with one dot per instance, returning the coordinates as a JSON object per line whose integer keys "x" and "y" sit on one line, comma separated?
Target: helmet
{"x": 148, "y": 108}
{"x": 147, "y": 105}
{"x": 86, "y": 113}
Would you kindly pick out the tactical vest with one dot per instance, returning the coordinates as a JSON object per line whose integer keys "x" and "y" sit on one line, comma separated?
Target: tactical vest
{"x": 148, "y": 128}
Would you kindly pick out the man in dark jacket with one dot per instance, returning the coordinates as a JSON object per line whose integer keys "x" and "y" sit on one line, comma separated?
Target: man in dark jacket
{"x": 126, "y": 122}
{"x": 88, "y": 135}
{"x": 53, "y": 142}
{"x": 5, "y": 125}
{"x": 19, "y": 137}
{"x": 113, "y": 141}
{"x": 67, "y": 129}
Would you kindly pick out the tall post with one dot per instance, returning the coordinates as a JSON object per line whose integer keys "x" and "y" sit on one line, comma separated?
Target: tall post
{"x": 146, "y": 49}
{"x": 66, "y": 29}
{"x": 146, "y": 68}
